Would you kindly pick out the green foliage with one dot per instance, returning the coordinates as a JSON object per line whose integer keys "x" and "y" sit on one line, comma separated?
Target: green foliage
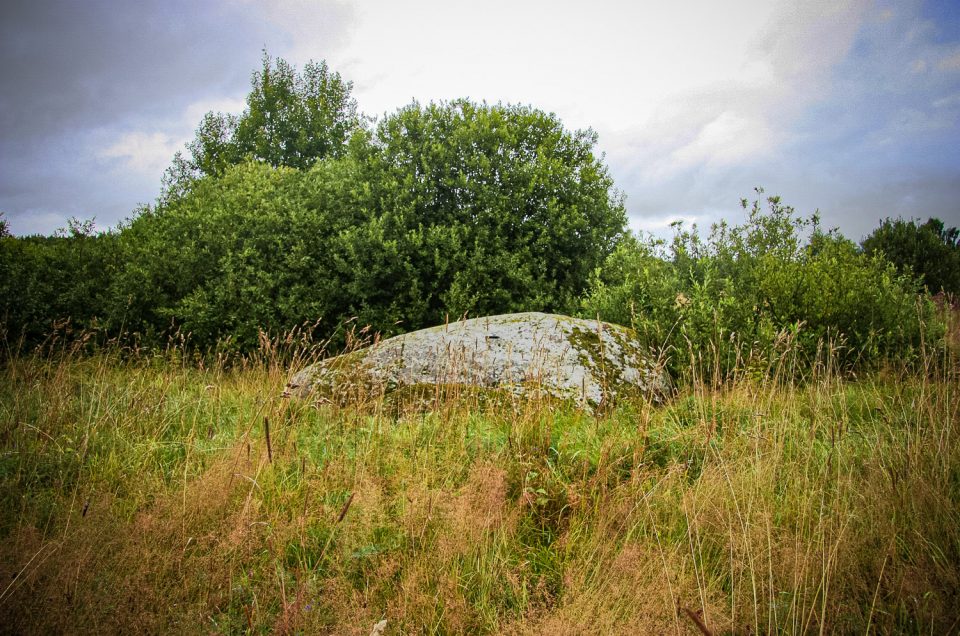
{"x": 295, "y": 213}
{"x": 506, "y": 209}
{"x": 636, "y": 287}
{"x": 256, "y": 249}
{"x": 187, "y": 261}
{"x": 930, "y": 250}
{"x": 54, "y": 283}
{"x": 442, "y": 210}
{"x": 291, "y": 120}
{"x": 736, "y": 294}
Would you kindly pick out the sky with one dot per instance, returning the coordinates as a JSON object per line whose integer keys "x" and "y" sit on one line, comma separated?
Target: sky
{"x": 849, "y": 108}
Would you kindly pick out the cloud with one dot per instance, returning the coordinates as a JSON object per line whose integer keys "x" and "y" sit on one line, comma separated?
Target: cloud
{"x": 70, "y": 65}
{"x": 950, "y": 101}
{"x": 662, "y": 226}
{"x": 195, "y": 111}
{"x": 142, "y": 152}
{"x": 851, "y": 107}
{"x": 96, "y": 92}
{"x": 149, "y": 152}
{"x": 747, "y": 115}
{"x": 838, "y": 119}
{"x": 596, "y": 66}
{"x": 728, "y": 139}
{"x": 804, "y": 40}
{"x": 313, "y": 29}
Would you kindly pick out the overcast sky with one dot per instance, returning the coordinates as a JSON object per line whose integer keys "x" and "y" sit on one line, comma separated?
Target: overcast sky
{"x": 852, "y": 108}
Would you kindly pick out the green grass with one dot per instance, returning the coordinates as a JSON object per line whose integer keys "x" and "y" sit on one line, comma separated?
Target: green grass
{"x": 138, "y": 496}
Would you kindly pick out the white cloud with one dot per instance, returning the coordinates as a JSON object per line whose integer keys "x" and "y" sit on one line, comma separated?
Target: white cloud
{"x": 600, "y": 65}
{"x": 195, "y": 111}
{"x": 667, "y": 85}
{"x": 712, "y": 141}
{"x": 312, "y": 28}
{"x": 728, "y": 139}
{"x": 805, "y": 40}
{"x": 950, "y": 101}
{"x": 149, "y": 153}
{"x": 146, "y": 153}
{"x": 662, "y": 225}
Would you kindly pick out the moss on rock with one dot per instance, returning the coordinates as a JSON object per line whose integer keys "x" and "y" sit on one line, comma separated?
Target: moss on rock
{"x": 588, "y": 361}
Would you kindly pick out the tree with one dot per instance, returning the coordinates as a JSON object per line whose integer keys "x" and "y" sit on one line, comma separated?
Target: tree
{"x": 223, "y": 260}
{"x": 442, "y": 210}
{"x": 499, "y": 207}
{"x": 930, "y": 250}
{"x": 291, "y": 120}
{"x": 294, "y": 120}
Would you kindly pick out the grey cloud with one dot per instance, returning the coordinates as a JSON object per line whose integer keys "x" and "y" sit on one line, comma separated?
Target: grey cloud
{"x": 74, "y": 64}
{"x": 879, "y": 140}
{"x": 77, "y": 74}
{"x": 849, "y": 197}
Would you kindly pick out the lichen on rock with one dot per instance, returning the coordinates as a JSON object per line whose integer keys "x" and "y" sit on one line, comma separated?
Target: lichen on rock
{"x": 588, "y": 361}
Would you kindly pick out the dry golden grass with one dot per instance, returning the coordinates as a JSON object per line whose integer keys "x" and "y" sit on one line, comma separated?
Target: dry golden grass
{"x": 139, "y": 497}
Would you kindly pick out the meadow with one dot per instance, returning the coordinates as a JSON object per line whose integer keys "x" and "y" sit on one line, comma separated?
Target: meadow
{"x": 802, "y": 476}
{"x": 156, "y": 493}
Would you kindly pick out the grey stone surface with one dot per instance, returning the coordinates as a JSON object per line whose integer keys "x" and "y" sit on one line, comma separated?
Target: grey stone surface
{"x": 568, "y": 358}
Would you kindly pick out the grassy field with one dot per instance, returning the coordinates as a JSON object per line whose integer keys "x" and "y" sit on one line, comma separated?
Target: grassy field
{"x": 149, "y": 495}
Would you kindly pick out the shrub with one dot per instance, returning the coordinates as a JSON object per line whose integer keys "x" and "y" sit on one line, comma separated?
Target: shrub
{"x": 931, "y": 251}
{"x": 54, "y": 283}
{"x": 730, "y": 297}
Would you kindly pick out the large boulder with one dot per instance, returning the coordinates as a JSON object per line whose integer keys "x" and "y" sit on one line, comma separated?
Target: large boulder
{"x": 588, "y": 361}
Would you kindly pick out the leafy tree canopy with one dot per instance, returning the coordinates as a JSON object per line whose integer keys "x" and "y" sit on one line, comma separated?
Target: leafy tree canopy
{"x": 292, "y": 119}
{"x": 512, "y": 210}
{"x": 930, "y": 250}
{"x": 441, "y": 210}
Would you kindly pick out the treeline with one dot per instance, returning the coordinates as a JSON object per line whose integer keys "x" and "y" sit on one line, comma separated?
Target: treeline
{"x": 300, "y": 211}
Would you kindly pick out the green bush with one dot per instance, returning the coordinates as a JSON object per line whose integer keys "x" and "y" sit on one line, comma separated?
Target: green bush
{"x": 441, "y": 211}
{"x": 54, "y": 283}
{"x": 736, "y": 295}
{"x": 252, "y": 250}
{"x": 930, "y": 250}
{"x": 505, "y": 209}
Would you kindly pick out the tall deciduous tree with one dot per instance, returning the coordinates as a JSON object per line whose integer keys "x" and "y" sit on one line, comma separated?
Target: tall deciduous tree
{"x": 290, "y": 120}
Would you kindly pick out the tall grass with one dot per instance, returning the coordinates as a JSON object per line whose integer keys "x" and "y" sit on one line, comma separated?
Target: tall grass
{"x": 138, "y": 495}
